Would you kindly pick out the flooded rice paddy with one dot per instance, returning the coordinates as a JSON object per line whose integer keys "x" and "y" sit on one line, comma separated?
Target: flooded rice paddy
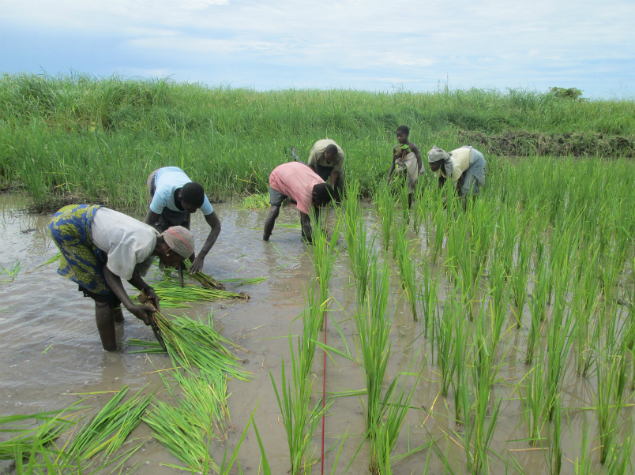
{"x": 52, "y": 357}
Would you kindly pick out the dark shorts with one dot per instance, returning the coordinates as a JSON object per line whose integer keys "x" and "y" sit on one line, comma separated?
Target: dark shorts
{"x": 276, "y": 198}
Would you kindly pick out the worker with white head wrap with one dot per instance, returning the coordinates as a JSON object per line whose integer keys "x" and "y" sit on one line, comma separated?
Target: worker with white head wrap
{"x": 465, "y": 166}
{"x": 101, "y": 247}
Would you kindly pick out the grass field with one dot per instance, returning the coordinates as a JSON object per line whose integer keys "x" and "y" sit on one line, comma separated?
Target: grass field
{"x": 97, "y": 140}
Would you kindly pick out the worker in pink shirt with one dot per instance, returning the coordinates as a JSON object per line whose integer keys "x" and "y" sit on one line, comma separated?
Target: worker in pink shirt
{"x": 300, "y": 184}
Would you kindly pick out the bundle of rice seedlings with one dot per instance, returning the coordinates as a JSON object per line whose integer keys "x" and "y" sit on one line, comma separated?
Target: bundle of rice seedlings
{"x": 201, "y": 414}
{"x": 205, "y": 280}
{"x": 28, "y": 437}
{"x": 173, "y": 295}
{"x": 256, "y": 201}
{"x": 196, "y": 343}
{"x": 110, "y": 427}
{"x": 238, "y": 281}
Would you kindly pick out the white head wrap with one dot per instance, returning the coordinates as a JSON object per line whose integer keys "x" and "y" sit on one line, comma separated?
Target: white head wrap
{"x": 436, "y": 154}
{"x": 180, "y": 240}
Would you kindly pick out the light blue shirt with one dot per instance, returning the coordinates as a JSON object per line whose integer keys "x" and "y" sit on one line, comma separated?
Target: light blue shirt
{"x": 167, "y": 180}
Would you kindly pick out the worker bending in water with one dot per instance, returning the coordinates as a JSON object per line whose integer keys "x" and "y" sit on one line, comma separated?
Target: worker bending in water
{"x": 173, "y": 198}
{"x": 465, "y": 166}
{"x": 100, "y": 247}
{"x": 327, "y": 160}
{"x": 406, "y": 158}
{"x": 303, "y": 187}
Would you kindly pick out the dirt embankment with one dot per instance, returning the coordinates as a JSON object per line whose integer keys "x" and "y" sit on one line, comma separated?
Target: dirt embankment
{"x": 524, "y": 144}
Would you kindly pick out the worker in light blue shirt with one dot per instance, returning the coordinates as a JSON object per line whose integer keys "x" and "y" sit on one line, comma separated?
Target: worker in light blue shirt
{"x": 173, "y": 198}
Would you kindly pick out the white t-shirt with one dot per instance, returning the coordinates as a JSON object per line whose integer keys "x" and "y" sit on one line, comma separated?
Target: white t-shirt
{"x": 166, "y": 181}
{"x": 128, "y": 242}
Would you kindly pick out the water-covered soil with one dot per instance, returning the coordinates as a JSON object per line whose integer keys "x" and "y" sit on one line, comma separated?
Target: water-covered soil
{"x": 52, "y": 357}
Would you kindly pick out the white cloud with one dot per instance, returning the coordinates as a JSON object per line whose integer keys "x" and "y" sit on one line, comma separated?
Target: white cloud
{"x": 490, "y": 42}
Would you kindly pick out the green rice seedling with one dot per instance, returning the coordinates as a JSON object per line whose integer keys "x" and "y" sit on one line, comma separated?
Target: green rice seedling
{"x": 620, "y": 458}
{"x": 559, "y": 338}
{"x": 498, "y": 300}
{"x": 460, "y": 367}
{"x": 239, "y": 281}
{"x": 445, "y": 338}
{"x": 385, "y": 205}
{"x": 196, "y": 343}
{"x": 427, "y": 295}
{"x": 498, "y": 289}
{"x": 537, "y": 306}
{"x": 582, "y": 465}
{"x": 352, "y": 216}
{"x": 519, "y": 278}
{"x": 479, "y": 424}
{"x": 584, "y": 304}
{"x": 312, "y": 323}
{"x": 440, "y": 222}
{"x": 207, "y": 281}
{"x": 55, "y": 258}
{"x": 201, "y": 415}
{"x": 255, "y": 201}
{"x": 27, "y": 437}
{"x": 373, "y": 328}
{"x": 172, "y": 294}
{"x": 555, "y": 439}
{"x": 609, "y": 399}
{"x": 298, "y": 417}
{"x": 404, "y": 200}
{"x": 110, "y": 427}
{"x": 10, "y": 272}
{"x": 407, "y": 269}
{"x": 364, "y": 256}
{"x": 325, "y": 252}
{"x": 394, "y": 411}
{"x": 534, "y": 400}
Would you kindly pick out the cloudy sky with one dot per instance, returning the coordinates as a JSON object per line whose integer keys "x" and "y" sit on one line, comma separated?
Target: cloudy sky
{"x": 351, "y": 44}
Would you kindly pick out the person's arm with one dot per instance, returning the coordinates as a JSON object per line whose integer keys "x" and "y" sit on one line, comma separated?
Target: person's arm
{"x": 140, "y": 284}
{"x": 152, "y": 218}
{"x": 392, "y": 167}
{"x": 307, "y": 231}
{"x": 214, "y": 224}
{"x": 441, "y": 180}
{"x": 334, "y": 176}
{"x": 312, "y": 162}
{"x": 415, "y": 150}
{"x": 270, "y": 221}
{"x": 114, "y": 282}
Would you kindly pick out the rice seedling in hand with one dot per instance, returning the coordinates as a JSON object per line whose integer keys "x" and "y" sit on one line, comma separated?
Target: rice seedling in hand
{"x": 196, "y": 343}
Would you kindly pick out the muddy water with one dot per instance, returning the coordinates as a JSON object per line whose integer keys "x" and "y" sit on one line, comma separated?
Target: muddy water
{"x": 51, "y": 354}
